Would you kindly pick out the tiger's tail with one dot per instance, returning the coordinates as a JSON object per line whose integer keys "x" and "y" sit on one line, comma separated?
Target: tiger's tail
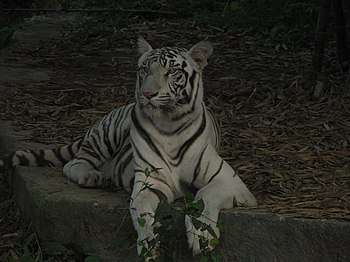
{"x": 56, "y": 157}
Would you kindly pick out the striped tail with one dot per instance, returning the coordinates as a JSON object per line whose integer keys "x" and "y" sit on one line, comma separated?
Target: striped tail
{"x": 56, "y": 157}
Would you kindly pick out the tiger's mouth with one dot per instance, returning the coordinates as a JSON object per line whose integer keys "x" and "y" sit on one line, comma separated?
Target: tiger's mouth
{"x": 150, "y": 104}
{"x": 160, "y": 107}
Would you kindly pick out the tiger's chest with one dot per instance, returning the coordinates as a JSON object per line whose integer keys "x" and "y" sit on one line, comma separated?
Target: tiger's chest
{"x": 175, "y": 153}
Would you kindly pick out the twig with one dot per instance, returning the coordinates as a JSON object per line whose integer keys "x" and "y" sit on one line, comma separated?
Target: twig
{"x": 320, "y": 35}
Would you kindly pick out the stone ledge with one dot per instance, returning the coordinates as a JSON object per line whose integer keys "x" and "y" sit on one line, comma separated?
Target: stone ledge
{"x": 65, "y": 215}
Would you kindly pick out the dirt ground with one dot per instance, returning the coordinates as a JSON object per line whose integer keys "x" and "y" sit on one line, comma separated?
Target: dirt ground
{"x": 290, "y": 149}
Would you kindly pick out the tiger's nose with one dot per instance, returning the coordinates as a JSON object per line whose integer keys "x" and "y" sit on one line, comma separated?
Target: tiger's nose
{"x": 149, "y": 95}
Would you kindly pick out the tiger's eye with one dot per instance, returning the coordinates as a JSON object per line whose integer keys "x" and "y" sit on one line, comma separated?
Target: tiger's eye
{"x": 171, "y": 71}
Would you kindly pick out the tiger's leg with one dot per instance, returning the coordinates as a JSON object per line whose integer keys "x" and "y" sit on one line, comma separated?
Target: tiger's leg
{"x": 84, "y": 174}
{"x": 143, "y": 204}
{"x": 221, "y": 187}
{"x": 106, "y": 139}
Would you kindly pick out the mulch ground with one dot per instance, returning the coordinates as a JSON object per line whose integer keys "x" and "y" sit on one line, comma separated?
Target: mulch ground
{"x": 291, "y": 150}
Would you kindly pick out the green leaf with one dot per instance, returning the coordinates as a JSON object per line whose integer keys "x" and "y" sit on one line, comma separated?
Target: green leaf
{"x": 196, "y": 223}
{"x": 189, "y": 198}
{"x": 191, "y": 203}
{"x": 234, "y": 6}
{"x": 194, "y": 209}
{"x": 145, "y": 186}
{"x": 141, "y": 221}
{"x": 92, "y": 258}
{"x": 214, "y": 242}
{"x": 209, "y": 228}
{"x": 29, "y": 239}
{"x": 147, "y": 172}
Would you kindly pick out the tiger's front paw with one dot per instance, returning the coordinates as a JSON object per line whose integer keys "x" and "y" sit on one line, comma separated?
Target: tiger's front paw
{"x": 95, "y": 179}
{"x": 202, "y": 234}
{"x": 84, "y": 175}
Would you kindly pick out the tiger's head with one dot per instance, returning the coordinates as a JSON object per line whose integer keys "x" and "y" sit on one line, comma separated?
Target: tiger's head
{"x": 169, "y": 80}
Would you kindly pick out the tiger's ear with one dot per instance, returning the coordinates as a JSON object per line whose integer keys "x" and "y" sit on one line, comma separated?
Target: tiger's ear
{"x": 143, "y": 45}
{"x": 200, "y": 53}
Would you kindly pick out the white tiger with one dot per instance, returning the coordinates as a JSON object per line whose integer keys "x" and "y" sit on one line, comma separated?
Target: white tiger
{"x": 171, "y": 132}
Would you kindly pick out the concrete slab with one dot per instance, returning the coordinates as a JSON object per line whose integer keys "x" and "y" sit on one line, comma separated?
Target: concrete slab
{"x": 65, "y": 216}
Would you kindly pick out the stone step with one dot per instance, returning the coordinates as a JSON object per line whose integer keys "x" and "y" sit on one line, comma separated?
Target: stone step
{"x": 67, "y": 217}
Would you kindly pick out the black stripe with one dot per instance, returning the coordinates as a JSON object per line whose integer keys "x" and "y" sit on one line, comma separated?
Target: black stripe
{"x": 58, "y": 155}
{"x": 106, "y": 140}
{"x": 155, "y": 178}
{"x": 122, "y": 164}
{"x": 121, "y": 153}
{"x": 121, "y": 121}
{"x": 88, "y": 161}
{"x": 70, "y": 150}
{"x": 145, "y": 135}
{"x": 160, "y": 180}
{"x": 217, "y": 172}
{"x": 190, "y": 141}
{"x": 191, "y": 110}
{"x": 23, "y": 161}
{"x": 139, "y": 171}
{"x": 40, "y": 158}
{"x": 116, "y": 121}
{"x": 97, "y": 147}
{"x": 79, "y": 144}
{"x": 87, "y": 148}
{"x": 191, "y": 80}
{"x": 195, "y": 98}
{"x": 141, "y": 157}
{"x": 196, "y": 170}
{"x": 126, "y": 163}
{"x": 179, "y": 77}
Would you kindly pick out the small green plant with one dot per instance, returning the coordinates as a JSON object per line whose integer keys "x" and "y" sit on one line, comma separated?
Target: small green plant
{"x": 28, "y": 250}
{"x": 171, "y": 217}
